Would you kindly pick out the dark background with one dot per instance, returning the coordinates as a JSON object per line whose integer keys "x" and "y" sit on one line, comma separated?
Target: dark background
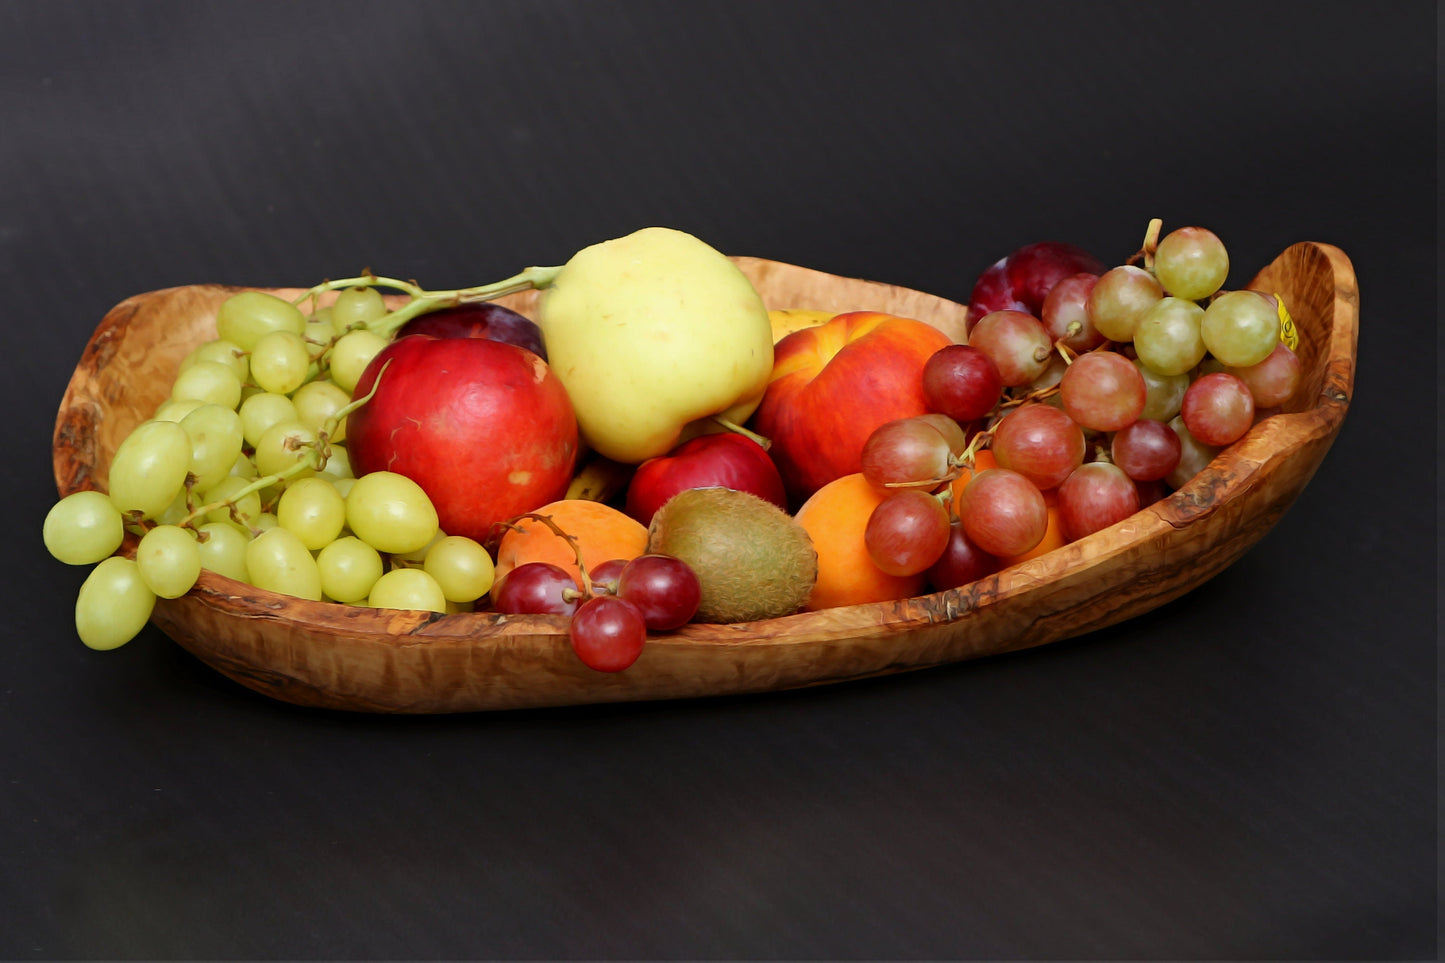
{"x": 1249, "y": 772}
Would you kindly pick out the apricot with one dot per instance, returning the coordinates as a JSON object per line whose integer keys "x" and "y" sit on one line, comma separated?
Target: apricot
{"x": 602, "y": 532}
{"x": 835, "y": 517}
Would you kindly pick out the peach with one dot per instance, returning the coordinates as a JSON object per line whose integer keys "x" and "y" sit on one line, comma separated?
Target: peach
{"x": 833, "y": 384}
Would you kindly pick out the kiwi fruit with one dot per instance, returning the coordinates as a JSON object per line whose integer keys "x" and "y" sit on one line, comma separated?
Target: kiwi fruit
{"x": 752, "y": 559}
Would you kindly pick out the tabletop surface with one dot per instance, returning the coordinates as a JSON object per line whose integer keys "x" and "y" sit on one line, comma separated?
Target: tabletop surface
{"x": 1247, "y": 772}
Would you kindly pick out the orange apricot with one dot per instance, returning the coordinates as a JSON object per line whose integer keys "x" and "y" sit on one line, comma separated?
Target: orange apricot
{"x": 835, "y": 517}
{"x": 602, "y": 532}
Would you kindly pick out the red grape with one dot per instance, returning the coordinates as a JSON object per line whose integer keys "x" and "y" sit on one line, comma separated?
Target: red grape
{"x": 962, "y": 561}
{"x": 604, "y": 576}
{"x": 607, "y": 633}
{"x": 1273, "y": 381}
{"x": 907, "y": 532}
{"x": 1218, "y": 409}
{"x": 962, "y": 382}
{"x": 1103, "y": 390}
{"x": 664, "y": 589}
{"x": 1068, "y": 305}
{"x": 1016, "y": 343}
{"x": 1194, "y": 455}
{"x": 1094, "y": 497}
{"x": 1002, "y": 512}
{"x": 1147, "y": 450}
{"x": 1040, "y": 442}
{"x": 536, "y": 588}
{"x": 905, "y": 451}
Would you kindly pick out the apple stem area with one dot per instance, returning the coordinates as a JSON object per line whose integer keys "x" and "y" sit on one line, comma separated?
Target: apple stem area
{"x": 424, "y": 301}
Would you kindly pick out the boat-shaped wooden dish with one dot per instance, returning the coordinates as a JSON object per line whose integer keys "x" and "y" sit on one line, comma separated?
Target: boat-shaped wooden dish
{"x": 356, "y": 658}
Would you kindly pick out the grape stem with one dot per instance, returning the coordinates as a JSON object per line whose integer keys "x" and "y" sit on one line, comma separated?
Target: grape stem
{"x": 571, "y": 540}
{"x": 315, "y": 459}
{"x": 1150, "y": 245}
{"x": 424, "y": 302}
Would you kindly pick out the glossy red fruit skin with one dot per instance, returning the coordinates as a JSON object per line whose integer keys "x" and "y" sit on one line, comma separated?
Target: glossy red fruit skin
{"x": 962, "y": 382}
{"x": 664, "y": 589}
{"x": 491, "y": 322}
{"x": 1021, "y": 280}
{"x": 607, "y": 633}
{"x": 962, "y": 562}
{"x": 484, "y": 427}
{"x": 536, "y": 588}
{"x": 723, "y": 460}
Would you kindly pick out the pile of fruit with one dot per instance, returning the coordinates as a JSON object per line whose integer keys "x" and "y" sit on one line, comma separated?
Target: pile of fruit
{"x": 657, "y": 447}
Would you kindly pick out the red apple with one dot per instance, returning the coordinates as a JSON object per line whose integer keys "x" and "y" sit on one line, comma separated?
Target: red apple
{"x": 833, "y": 384}
{"x": 723, "y": 460}
{"x": 486, "y": 320}
{"x": 484, "y": 427}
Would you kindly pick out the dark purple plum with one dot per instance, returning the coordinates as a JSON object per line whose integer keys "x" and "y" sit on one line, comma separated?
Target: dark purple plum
{"x": 1023, "y": 279}
{"x": 488, "y": 321}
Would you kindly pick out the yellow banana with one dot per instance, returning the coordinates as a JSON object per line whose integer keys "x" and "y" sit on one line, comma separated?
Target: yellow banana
{"x": 599, "y": 479}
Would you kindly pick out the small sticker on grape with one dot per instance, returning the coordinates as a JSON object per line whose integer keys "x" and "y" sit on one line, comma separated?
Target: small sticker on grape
{"x": 1288, "y": 333}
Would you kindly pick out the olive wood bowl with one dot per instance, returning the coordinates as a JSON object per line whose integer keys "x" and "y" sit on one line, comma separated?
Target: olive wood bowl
{"x": 377, "y": 660}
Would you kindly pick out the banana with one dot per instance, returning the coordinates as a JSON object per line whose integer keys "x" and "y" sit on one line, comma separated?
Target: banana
{"x": 785, "y": 321}
{"x": 599, "y": 479}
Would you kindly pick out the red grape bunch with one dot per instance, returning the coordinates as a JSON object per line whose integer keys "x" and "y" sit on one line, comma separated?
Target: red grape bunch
{"x": 1083, "y": 394}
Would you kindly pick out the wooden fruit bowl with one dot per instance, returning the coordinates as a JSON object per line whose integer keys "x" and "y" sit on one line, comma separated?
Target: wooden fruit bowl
{"x": 355, "y": 658}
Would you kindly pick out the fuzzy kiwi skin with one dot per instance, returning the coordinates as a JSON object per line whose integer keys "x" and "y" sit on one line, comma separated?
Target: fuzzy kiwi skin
{"x": 752, "y": 560}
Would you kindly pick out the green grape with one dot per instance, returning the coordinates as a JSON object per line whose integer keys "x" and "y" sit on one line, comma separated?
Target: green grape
{"x": 176, "y": 511}
{"x": 247, "y": 507}
{"x": 343, "y": 485}
{"x": 169, "y": 560}
{"x": 114, "y": 604}
{"x": 353, "y": 352}
{"x": 176, "y": 410}
{"x": 216, "y": 439}
{"x": 1163, "y": 394}
{"x": 390, "y": 512}
{"x": 83, "y": 528}
{"x": 208, "y": 381}
{"x": 338, "y": 465}
{"x": 349, "y": 568}
{"x": 461, "y": 567}
{"x": 407, "y": 588}
{"x": 319, "y": 332}
{"x": 277, "y": 561}
{"x": 355, "y": 307}
{"x": 1191, "y": 263}
{"x": 265, "y": 521}
{"x": 1167, "y": 337}
{"x": 244, "y": 467}
{"x": 418, "y": 555}
{"x": 279, "y": 362}
{"x": 150, "y": 467}
{"x": 282, "y": 445}
{"x": 1240, "y": 328}
{"x": 261, "y": 411}
{"x": 319, "y": 401}
{"x": 243, "y": 319}
{"x": 221, "y": 352}
{"x": 1119, "y": 299}
{"x": 313, "y": 510}
{"x": 222, "y": 549}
